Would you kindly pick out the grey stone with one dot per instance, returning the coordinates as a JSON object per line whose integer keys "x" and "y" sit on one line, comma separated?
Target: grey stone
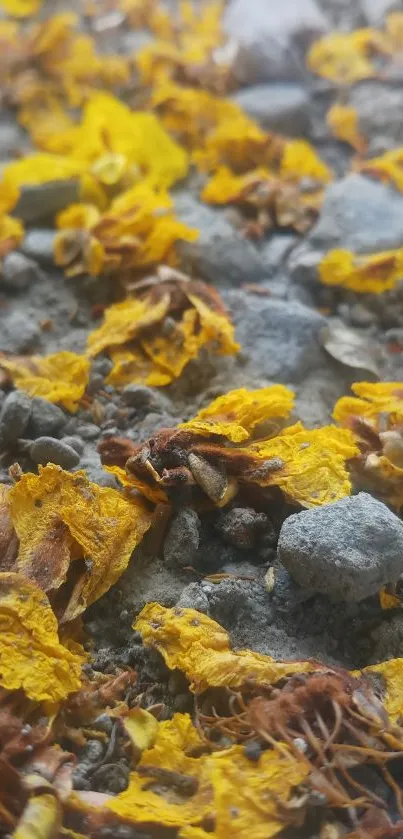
{"x": 282, "y": 107}
{"x": 95, "y": 383}
{"x": 182, "y": 540}
{"x": 75, "y": 443}
{"x": 193, "y": 597}
{"x": 50, "y": 450}
{"x": 303, "y": 264}
{"x": 19, "y": 332}
{"x": 46, "y": 419}
{"x": 143, "y": 398}
{"x": 101, "y": 365}
{"x": 275, "y": 250}
{"x": 361, "y": 215}
{"x": 347, "y": 550}
{"x": 11, "y": 135}
{"x": 375, "y": 11}
{"x": 272, "y": 39}
{"x": 88, "y": 431}
{"x": 220, "y": 255}
{"x": 343, "y": 14}
{"x": 38, "y": 244}
{"x": 18, "y": 272}
{"x": 379, "y": 107}
{"x": 43, "y": 200}
{"x": 14, "y": 416}
{"x": 242, "y": 526}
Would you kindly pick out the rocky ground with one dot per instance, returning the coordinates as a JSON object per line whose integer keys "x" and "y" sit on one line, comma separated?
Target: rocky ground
{"x": 280, "y": 310}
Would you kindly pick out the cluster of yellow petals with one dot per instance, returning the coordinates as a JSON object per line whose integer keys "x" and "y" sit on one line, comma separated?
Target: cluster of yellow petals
{"x": 372, "y": 273}
{"x": 348, "y": 58}
{"x": 60, "y": 378}
{"x": 387, "y": 168}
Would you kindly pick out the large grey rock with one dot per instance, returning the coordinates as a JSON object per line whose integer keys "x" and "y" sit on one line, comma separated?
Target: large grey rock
{"x": 272, "y": 37}
{"x": 347, "y": 550}
{"x": 220, "y": 255}
{"x": 361, "y": 215}
{"x": 50, "y": 450}
{"x": 379, "y": 107}
{"x": 12, "y": 137}
{"x": 280, "y": 106}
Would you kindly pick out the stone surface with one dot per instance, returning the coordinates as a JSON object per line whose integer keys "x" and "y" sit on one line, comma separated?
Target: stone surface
{"x": 375, "y": 11}
{"x": 182, "y": 540}
{"x": 46, "y": 419}
{"x": 220, "y": 255}
{"x": 44, "y": 200}
{"x": 18, "y": 271}
{"x": 346, "y": 550}
{"x": 50, "y": 450}
{"x": 379, "y": 107}
{"x": 38, "y": 244}
{"x": 19, "y": 331}
{"x": 359, "y": 214}
{"x": 272, "y": 38}
{"x": 281, "y": 107}
{"x": 143, "y": 399}
{"x": 14, "y": 416}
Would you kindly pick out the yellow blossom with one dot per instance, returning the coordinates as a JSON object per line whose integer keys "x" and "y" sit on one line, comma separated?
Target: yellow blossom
{"x": 372, "y": 273}
{"x": 61, "y": 378}
{"x": 343, "y": 121}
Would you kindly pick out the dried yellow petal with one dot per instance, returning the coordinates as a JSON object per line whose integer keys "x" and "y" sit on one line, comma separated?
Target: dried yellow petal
{"x": 387, "y": 600}
{"x": 229, "y": 791}
{"x": 142, "y": 727}
{"x": 60, "y": 517}
{"x": 11, "y": 233}
{"x": 299, "y": 160}
{"x": 21, "y": 8}
{"x": 343, "y": 121}
{"x": 374, "y": 273}
{"x": 343, "y": 57}
{"x": 371, "y": 399}
{"x": 309, "y": 464}
{"x": 41, "y": 818}
{"x": 133, "y": 365}
{"x": 236, "y": 414}
{"x": 80, "y": 216}
{"x": 392, "y": 672}
{"x": 224, "y": 186}
{"x": 197, "y": 645}
{"x": 388, "y": 168}
{"x": 31, "y": 656}
{"x": 39, "y": 169}
{"x": 123, "y": 321}
{"x": 60, "y": 378}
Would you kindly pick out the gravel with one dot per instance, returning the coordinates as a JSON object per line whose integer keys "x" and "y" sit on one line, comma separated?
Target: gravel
{"x": 182, "y": 540}
{"x": 14, "y": 417}
{"x": 50, "y": 450}
{"x": 18, "y": 272}
{"x": 346, "y": 550}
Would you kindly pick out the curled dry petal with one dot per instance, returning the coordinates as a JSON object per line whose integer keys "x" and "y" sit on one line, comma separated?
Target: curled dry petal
{"x": 61, "y": 378}
{"x": 31, "y": 656}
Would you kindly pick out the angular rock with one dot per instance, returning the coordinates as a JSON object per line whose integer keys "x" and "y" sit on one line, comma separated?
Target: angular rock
{"x": 272, "y": 38}
{"x": 281, "y": 107}
{"x": 361, "y": 215}
{"x": 379, "y": 107}
{"x": 41, "y": 201}
{"x": 346, "y": 550}
{"x": 46, "y": 419}
{"x": 14, "y": 416}
{"x": 242, "y": 527}
{"x": 18, "y": 272}
{"x": 182, "y": 540}
{"x": 220, "y": 255}
{"x": 50, "y": 450}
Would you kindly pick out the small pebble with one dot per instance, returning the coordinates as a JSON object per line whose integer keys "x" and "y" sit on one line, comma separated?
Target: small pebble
{"x": 95, "y": 383}
{"x": 18, "y": 272}
{"x": 142, "y": 398}
{"x": 242, "y": 526}
{"x": 14, "y": 416}
{"x": 88, "y": 431}
{"x": 46, "y": 419}
{"x": 50, "y": 450}
{"x": 38, "y": 244}
{"x": 75, "y": 443}
{"x": 182, "y": 540}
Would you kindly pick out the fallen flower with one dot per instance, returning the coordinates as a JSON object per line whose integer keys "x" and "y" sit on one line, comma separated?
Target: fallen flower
{"x": 343, "y": 121}
{"x": 31, "y": 656}
{"x": 387, "y": 168}
{"x": 21, "y": 8}
{"x": 60, "y": 378}
{"x": 152, "y": 336}
{"x": 200, "y": 647}
{"x": 75, "y": 538}
{"x": 374, "y": 274}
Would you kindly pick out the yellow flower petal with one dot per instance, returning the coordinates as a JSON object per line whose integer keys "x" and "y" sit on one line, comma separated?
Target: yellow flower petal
{"x": 60, "y": 378}
{"x": 299, "y": 160}
{"x": 236, "y": 414}
{"x": 21, "y": 8}
{"x": 343, "y": 121}
{"x": 11, "y": 234}
{"x": 31, "y": 656}
{"x": 123, "y": 321}
{"x": 60, "y": 517}
{"x": 200, "y": 647}
{"x": 374, "y": 273}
